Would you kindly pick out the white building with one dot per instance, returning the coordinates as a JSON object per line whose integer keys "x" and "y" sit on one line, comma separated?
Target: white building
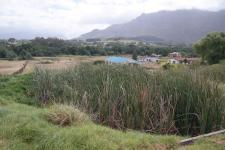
{"x": 174, "y": 61}
{"x": 149, "y": 59}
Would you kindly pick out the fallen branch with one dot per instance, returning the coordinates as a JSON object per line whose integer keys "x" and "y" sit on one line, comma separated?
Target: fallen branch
{"x": 191, "y": 140}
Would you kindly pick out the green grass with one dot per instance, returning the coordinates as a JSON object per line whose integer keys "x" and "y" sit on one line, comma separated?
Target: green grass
{"x": 175, "y": 101}
{"x": 16, "y": 88}
{"x": 26, "y": 127}
{"x": 214, "y": 72}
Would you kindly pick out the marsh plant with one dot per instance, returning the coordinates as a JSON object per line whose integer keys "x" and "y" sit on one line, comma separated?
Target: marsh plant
{"x": 129, "y": 97}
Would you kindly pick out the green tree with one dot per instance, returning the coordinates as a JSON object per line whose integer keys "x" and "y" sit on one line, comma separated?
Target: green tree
{"x": 3, "y": 53}
{"x": 212, "y": 47}
{"x": 10, "y": 55}
{"x": 134, "y": 55}
{"x": 24, "y": 55}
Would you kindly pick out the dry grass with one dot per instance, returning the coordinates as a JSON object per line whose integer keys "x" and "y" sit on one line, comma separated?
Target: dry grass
{"x": 9, "y": 67}
{"x": 64, "y": 115}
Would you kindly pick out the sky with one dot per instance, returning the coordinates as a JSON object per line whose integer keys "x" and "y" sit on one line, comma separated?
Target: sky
{"x": 25, "y": 19}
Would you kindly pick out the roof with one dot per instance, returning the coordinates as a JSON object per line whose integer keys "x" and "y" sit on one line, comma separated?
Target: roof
{"x": 175, "y": 53}
{"x": 120, "y": 60}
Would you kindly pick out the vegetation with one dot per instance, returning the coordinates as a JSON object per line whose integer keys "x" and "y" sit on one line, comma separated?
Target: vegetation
{"x": 60, "y": 126}
{"x": 57, "y": 127}
{"x": 66, "y": 115}
{"x": 25, "y": 127}
{"x": 52, "y": 46}
{"x": 215, "y": 72}
{"x": 212, "y": 47}
{"x": 178, "y": 101}
{"x": 17, "y": 88}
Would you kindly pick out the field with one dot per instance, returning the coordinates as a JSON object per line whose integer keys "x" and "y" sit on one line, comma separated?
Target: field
{"x": 9, "y": 67}
{"x": 64, "y": 104}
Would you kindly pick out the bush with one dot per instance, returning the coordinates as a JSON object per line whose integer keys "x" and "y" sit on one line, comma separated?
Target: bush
{"x": 130, "y": 97}
{"x": 214, "y": 72}
{"x": 65, "y": 115}
{"x": 97, "y": 62}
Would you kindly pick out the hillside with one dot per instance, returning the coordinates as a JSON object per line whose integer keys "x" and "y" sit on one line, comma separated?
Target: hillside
{"x": 181, "y": 26}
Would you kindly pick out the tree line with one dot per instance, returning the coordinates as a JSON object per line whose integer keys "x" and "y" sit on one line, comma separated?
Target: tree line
{"x": 9, "y": 49}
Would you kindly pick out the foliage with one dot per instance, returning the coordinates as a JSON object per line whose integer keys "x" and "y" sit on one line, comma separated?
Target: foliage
{"x": 212, "y": 47}
{"x": 134, "y": 55}
{"x": 130, "y": 97}
{"x": 54, "y": 46}
{"x": 167, "y": 66}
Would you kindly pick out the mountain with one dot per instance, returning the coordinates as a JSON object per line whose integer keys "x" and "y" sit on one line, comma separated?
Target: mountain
{"x": 180, "y": 26}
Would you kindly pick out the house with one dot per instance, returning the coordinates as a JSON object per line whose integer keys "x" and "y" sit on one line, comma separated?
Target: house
{"x": 155, "y": 55}
{"x": 149, "y": 59}
{"x": 180, "y": 61}
{"x": 175, "y": 55}
{"x": 174, "y": 61}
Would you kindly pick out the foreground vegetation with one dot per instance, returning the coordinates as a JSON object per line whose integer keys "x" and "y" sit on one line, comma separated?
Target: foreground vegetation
{"x": 24, "y": 124}
{"x": 181, "y": 101}
{"x": 25, "y": 127}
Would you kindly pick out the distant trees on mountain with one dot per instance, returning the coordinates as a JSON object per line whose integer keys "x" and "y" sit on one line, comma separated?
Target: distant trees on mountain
{"x": 13, "y": 49}
{"x": 212, "y": 47}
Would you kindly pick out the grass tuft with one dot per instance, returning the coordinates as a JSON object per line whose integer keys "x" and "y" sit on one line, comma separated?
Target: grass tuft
{"x": 64, "y": 115}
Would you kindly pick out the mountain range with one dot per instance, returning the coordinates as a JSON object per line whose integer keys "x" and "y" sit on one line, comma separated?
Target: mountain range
{"x": 179, "y": 26}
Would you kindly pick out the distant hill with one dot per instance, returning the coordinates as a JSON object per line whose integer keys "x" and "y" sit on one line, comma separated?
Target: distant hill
{"x": 181, "y": 26}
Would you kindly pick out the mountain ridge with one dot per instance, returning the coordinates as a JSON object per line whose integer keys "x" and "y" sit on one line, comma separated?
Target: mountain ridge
{"x": 180, "y": 26}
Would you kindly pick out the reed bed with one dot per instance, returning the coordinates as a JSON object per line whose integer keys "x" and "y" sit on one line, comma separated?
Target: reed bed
{"x": 129, "y": 97}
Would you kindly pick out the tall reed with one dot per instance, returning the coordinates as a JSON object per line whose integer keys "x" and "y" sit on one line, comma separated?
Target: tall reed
{"x": 121, "y": 96}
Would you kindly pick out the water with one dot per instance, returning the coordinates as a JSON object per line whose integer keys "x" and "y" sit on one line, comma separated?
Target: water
{"x": 114, "y": 59}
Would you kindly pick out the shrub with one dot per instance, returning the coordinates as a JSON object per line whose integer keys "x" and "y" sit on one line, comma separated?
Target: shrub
{"x": 97, "y": 62}
{"x": 123, "y": 97}
{"x": 214, "y": 72}
{"x": 64, "y": 115}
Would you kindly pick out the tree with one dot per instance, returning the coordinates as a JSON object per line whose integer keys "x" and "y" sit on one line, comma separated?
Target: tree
{"x": 11, "y": 40}
{"x": 3, "y": 53}
{"x": 24, "y": 55}
{"x": 10, "y": 55}
{"x": 134, "y": 55}
{"x": 212, "y": 47}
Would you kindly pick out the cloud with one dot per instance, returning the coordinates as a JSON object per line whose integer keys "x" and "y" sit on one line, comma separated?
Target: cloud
{"x": 70, "y": 18}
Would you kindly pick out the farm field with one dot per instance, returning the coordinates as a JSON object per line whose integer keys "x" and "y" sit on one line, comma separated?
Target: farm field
{"x": 9, "y": 67}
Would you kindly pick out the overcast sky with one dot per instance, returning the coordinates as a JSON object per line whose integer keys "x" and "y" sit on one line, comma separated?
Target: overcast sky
{"x": 70, "y": 18}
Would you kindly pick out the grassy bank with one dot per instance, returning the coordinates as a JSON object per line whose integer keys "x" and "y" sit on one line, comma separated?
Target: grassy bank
{"x": 181, "y": 101}
{"x": 25, "y": 127}
{"x": 17, "y": 88}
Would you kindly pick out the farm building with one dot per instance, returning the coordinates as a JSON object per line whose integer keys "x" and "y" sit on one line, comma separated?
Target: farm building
{"x": 175, "y": 55}
{"x": 149, "y": 59}
{"x": 180, "y": 61}
{"x": 174, "y": 61}
{"x": 156, "y": 55}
